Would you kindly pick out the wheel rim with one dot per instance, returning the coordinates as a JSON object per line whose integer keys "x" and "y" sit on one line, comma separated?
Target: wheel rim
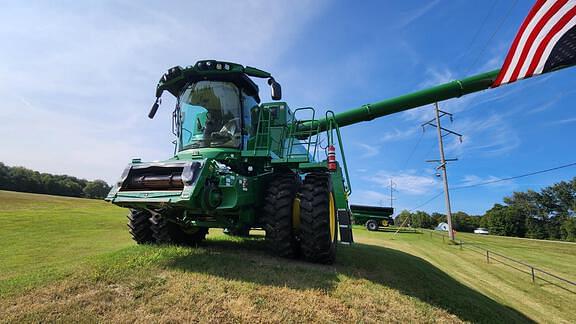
{"x": 296, "y": 213}
{"x": 332, "y": 215}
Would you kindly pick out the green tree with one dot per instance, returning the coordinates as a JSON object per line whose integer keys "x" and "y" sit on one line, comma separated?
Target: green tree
{"x": 96, "y": 189}
{"x": 405, "y": 217}
{"x": 421, "y": 219}
{"x": 505, "y": 220}
{"x": 437, "y": 218}
{"x": 568, "y": 229}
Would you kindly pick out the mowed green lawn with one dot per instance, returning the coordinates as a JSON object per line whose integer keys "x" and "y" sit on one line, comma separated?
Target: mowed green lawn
{"x": 66, "y": 259}
{"x": 553, "y": 256}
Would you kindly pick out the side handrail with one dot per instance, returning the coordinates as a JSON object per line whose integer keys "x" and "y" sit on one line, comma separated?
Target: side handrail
{"x": 333, "y": 125}
{"x": 295, "y": 132}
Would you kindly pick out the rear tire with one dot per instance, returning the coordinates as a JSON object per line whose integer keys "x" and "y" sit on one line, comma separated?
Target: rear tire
{"x": 166, "y": 232}
{"x": 139, "y": 226}
{"x": 278, "y": 214}
{"x": 372, "y": 225}
{"x": 318, "y": 219}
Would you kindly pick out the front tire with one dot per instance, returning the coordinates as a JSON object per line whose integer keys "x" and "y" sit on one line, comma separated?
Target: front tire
{"x": 139, "y": 226}
{"x": 278, "y": 214}
{"x": 166, "y": 232}
{"x": 318, "y": 219}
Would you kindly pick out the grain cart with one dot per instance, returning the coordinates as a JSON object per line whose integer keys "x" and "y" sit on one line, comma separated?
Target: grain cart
{"x": 241, "y": 164}
{"x": 372, "y": 217}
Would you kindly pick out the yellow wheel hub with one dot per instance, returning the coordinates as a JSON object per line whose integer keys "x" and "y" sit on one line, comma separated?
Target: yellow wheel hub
{"x": 296, "y": 213}
{"x": 332, "y": 215}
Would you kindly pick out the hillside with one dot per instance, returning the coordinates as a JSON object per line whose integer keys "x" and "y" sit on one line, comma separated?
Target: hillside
{"x": 71, "y": 259}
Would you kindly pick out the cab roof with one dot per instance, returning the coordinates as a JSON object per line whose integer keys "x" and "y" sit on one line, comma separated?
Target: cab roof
{"x": 176, "y": 78}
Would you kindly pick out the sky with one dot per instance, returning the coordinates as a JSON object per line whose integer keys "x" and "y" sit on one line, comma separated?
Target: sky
{"x": 77, "y": 79}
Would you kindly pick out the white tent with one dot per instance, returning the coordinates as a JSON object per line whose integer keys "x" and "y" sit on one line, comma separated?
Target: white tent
{"x": 442, "y": 227}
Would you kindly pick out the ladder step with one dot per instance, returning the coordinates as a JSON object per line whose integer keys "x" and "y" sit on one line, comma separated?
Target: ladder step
{"x": 345, "y": 226}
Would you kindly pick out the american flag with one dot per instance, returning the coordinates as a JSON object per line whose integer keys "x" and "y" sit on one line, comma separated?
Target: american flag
{"x": 545, "y": 42}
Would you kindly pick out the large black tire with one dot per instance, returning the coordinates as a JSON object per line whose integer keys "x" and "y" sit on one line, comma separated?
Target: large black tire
{"x": 318, "y": 227}
{"x": 278, "y": 207}
{"x": 372, "y": 225}
{"x": 166, "y": 232}
{"x": 139, "y": 226}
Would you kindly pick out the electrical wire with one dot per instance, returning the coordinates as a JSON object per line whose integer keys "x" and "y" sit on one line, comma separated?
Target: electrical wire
{"x": 480, "y": 28}
{"x": 414, "y": 148}
{"x": 514, "y": 177}
{"x": 504, "y": 18}
{"x": 427, "y": 201}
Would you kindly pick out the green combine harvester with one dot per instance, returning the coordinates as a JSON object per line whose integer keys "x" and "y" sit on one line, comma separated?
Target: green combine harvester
{"x": 241, "y": 164}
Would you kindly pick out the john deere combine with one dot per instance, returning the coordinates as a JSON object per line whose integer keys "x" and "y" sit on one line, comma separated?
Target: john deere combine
{"x": 241, "y": 164}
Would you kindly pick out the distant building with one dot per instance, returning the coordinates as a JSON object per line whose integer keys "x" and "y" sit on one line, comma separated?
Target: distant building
{"x": 442, "y": 227}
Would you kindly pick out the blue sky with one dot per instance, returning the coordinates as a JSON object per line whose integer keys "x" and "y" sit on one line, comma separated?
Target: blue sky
{"x": 77, "y": 79}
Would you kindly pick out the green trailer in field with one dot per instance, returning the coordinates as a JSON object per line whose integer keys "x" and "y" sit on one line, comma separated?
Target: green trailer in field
{"x": 372, "y": 217}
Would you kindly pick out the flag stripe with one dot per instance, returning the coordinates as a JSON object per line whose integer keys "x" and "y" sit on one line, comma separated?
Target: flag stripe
{"x": 539, "y": 9}
{"x": 555, "y": 39}
{"x": 564, "y": 24}
{"x": 546, "y": 29}
{"x": 524, "y": 25}
{"x": 532, "y": 36}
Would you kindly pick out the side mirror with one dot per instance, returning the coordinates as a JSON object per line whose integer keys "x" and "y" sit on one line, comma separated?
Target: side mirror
{"x": 275, "y": 89}
{"x": 154, "y": 108}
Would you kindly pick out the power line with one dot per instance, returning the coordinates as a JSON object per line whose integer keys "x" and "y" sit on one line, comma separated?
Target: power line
{"x": 492, "y": 36}
{"x": 480, "y": 27}
{"x": 414, "y": 148}
{"x": 514, "y": 177}
{"x": 427, "y": 201}
{"x": 493, "y": 181}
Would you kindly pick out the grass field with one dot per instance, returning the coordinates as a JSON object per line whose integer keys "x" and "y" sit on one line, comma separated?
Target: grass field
{"x": 66, "y": 259}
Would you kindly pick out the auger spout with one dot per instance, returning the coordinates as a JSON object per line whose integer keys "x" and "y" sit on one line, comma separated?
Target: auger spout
{"x": 453, "y": 89}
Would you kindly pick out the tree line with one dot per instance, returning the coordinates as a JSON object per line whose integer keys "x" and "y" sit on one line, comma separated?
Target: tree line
{"x": 547, "y": 214}
{"x": 26, "y": 180}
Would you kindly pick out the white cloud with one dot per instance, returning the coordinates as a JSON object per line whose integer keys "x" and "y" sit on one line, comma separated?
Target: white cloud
{"x": 407, "y": 181}
{"x": 396, "y": 134}
{"x": 368, "y": 150}
{"x": 471, "y": 180}
{"x": 370, "y": 197}
{"x": 563, "y": 121}
{"x": 77, "y": 83}
{"x": 488, "y": 136}
{"x": 407, "y": 18}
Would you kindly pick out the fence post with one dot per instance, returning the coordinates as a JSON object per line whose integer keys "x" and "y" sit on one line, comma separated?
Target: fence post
{"x": 487, "y": 256}
{"x": 533, "y": 277}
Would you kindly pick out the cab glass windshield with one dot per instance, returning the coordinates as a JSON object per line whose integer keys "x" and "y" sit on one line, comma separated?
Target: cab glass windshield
{"x": 210, "y": 115}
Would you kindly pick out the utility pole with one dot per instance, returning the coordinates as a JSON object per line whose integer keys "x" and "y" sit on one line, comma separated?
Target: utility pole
{"x": 392, "y": 186}
{"x": 439, "y": 113}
